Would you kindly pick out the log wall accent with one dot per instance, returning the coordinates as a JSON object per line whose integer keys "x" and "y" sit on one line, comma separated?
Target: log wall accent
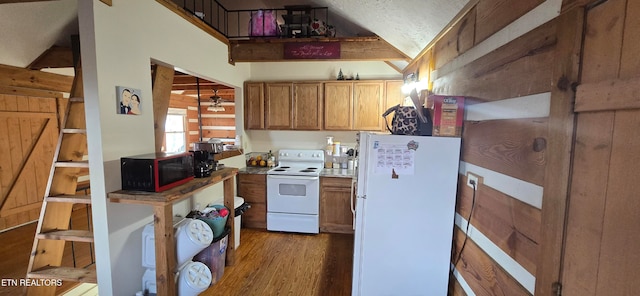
{"x": 519, "y": 68}
{"x": 19, "y": 77}
{"x": 214, "y": 124}
{"x": 516, "y": 148}
{"x": 484, "y": 276}
{"x": 511, "y": 224}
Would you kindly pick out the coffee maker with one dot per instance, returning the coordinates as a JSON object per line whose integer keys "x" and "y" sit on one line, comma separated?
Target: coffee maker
{"x": 203, "y": 163}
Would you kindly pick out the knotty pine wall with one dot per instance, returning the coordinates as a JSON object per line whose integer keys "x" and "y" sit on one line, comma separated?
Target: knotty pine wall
{"x": 500, "y": 54}
{"x": 28, "y": 137}
{"x": 214, "y": 124}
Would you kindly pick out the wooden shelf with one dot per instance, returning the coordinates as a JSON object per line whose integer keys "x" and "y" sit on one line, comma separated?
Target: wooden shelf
{"x": 162, "y": 203}
{"x": 227, "y": 154}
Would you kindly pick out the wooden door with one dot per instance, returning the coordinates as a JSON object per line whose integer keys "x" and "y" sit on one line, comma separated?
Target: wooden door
{"x": 338, "y": 105}
{"x": 603, "y": 220}
{"x": 254, "y": 105}
{"x": 335, "y": 205}
{"x": 367, "y": 104}
{"x": 307, "y": 106}
{"x": 392, "y": 96}
{"x": 279, "y": 106}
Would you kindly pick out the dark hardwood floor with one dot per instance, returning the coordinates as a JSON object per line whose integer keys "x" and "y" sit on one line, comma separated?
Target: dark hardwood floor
{"x": 275, "y": 263}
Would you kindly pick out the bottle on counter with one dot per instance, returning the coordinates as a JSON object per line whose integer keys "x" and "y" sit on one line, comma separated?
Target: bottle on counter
{"x": 271, "y": 160}
{"x": 328, "y": 153}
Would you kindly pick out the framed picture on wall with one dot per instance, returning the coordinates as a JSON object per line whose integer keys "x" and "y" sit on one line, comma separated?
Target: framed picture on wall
{"x": 128, "y": 100}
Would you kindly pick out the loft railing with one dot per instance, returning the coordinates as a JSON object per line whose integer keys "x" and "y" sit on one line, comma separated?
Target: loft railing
{"x": 288, "y": 22}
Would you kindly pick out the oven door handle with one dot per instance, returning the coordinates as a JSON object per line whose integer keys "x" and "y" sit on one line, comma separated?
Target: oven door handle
{"x": 293, "y": 177}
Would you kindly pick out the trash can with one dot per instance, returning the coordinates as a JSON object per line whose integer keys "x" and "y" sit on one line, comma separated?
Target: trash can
{"x": 214, "y": 255}
{"x": 240, "y": 208}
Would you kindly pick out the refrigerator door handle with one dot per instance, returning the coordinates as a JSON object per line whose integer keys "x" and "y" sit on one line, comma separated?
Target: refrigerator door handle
{"x": 353, "y": 207}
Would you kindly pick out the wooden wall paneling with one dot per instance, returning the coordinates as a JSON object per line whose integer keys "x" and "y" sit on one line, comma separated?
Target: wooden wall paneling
{"x": 482, "y": 274}
{"x": 457, "y": 41}
{"x": 561, "y": 126}
{"x": 510, "y": 224}
{"x": 162, "y": 80}
{"x": 493, "y": 15}
{"x": 514, "y": 147}
{"x": 630, "y": 65}
{"x": 587, "y": 203}
{"x": 619, "y": 256}
{"x": 570, "y": 4}
{"x": 613, "y": 94}
{"x": 455, "y": 289}
{"x": 520, "y": 68}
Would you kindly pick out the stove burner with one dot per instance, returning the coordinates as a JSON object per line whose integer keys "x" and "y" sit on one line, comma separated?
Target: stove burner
{"x": 285, "y": 167}
{"x": 312, "y": 168}
{"x": 308, "y": 170}
{"x": 280, "y": 170}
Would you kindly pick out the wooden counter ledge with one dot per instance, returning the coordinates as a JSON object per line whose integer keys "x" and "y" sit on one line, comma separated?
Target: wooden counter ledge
{"x": 162, "y": 203}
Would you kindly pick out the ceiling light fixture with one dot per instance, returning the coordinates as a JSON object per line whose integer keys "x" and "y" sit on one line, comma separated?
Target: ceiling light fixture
{"x": 216, "y": 103}
{"x": 411, "y": 82}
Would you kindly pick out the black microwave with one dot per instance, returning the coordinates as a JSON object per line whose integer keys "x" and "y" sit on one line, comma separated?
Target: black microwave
{"x": 156, "y": 172}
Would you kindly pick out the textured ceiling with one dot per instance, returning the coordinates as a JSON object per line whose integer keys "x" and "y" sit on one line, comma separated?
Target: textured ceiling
{"x": 28, "y": 29}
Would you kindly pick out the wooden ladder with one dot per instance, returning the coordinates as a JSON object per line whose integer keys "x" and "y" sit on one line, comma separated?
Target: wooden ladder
{"x": 53, "y": 230}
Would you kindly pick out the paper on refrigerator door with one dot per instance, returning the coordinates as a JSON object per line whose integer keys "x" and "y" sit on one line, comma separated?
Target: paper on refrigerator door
{"x": 393, "y": 159}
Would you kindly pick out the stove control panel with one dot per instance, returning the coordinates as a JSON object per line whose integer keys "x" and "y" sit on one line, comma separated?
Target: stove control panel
{"x": 301, "y": 155}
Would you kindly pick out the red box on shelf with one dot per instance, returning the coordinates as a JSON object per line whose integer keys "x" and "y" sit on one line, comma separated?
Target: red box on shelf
{"x": 448, "y": 115}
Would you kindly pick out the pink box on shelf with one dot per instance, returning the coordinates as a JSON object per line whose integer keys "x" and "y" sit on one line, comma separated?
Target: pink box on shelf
{"x": 448, "y": 115}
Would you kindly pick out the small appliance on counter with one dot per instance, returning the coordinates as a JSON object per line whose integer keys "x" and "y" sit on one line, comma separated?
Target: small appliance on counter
{"x": 204, "y": 157}
{"x": 156, "y": 172}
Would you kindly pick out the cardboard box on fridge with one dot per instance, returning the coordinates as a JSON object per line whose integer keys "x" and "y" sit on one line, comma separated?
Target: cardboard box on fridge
{"x": 448, "y": 115}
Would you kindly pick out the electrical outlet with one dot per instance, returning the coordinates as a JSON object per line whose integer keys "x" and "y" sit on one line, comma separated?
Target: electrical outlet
{"x": 472, "y": 177}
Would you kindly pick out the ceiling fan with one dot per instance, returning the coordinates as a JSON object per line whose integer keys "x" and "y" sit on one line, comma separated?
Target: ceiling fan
{"x": 216, "y": 102}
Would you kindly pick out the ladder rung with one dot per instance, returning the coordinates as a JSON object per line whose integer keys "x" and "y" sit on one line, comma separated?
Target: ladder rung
{"x": 76, "y": 100}
{"x": 68, "y": 235}
{"x": 80, "y": 199}
{"x": 82, "y": 275}
{"x": 74, "y": 131}
{"x": 72, "y": 164}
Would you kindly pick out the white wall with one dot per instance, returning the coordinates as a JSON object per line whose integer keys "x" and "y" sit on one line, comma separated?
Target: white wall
{"x": 118, "y": 44}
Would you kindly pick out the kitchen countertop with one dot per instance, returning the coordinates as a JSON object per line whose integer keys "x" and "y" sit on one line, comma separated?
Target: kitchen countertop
{"x": 339, "y": 173}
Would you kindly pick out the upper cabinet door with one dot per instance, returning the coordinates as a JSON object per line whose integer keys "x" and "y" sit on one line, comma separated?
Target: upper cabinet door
{"x": 393, "y": 96}
{"x": 367, "y": 102}
{"x": 338, "y": 105}
{"x": 254, "y": 105}
{"x": 279, "y": 106}
{"x": 307, "y": 106}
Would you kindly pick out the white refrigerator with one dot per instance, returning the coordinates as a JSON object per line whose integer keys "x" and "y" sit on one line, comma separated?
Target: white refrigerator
{"x": 404, "y": 214}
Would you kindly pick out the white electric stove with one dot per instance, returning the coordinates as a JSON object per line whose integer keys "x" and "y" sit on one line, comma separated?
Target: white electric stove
{"x": 293, "y": 191}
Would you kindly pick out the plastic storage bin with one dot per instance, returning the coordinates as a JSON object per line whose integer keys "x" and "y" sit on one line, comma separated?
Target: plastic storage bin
{"x": 240, "y": 207}
{"x": 191, "y": 236}
{"x": 217, "y": 224}
{"x": 192, "y": 279}
{"x": 214, "y": 256}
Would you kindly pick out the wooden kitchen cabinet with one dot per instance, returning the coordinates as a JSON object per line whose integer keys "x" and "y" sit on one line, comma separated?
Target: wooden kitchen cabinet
{"x": 338, "y": 105}
{"x": 335, "y": 205}
{"x": 367, "y": 104}
{"x": 393, "y": 96}
{"x": 253, "y": 188}
{"x": 254, "y": 105}
{"x": 307, "y": 106}
{"x": 279, "y": 106}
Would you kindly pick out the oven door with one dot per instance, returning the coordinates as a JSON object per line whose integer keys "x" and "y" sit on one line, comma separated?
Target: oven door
{"x": 293, "y": 194}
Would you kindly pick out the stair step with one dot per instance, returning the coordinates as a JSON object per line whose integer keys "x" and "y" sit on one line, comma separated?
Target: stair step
{"x": 82, "y": 275}
{"x": 74, "y": 131}
{"x": 68, "y": 235}
{"x": 79, "y": 199}
{"x": 72, "y": 164}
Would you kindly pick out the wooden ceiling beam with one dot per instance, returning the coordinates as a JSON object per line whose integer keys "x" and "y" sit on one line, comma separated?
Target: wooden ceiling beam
{"x": 351, "y": 49}
{"x": 21, "y": 77}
